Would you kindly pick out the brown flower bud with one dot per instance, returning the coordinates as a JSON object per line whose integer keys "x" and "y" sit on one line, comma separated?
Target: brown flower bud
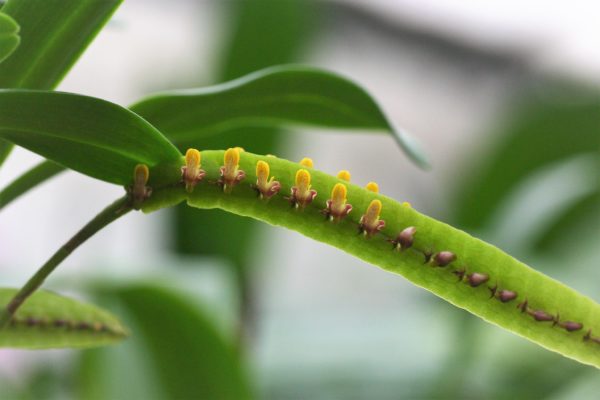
{"x": 540, "y": 315}
{"x": 477, "y": 278}
{"x": 506, "y": 295}
{"x": 571, "y": 326}
{"x": 443, "y": 258}
{"x": 405, "y": 238}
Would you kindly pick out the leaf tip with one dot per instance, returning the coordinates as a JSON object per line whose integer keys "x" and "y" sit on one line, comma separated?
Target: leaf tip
{"x": 411, "y": 147}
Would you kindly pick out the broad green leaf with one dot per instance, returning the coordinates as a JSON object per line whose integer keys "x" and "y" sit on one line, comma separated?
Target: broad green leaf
{"x": 542, "y": 131}
{"x": 89, "y": 135}
{"x": 54, "y": 33}
{"x": 181, "y": 351}
{"x": 9, "y": 36}
{"x": 271, "y": 97}
{"x": 47, "y": 320}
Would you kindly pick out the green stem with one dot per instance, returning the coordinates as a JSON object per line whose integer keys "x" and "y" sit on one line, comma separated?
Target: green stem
{"x": 28, "y": 180}
{"x": 108, "y": 215}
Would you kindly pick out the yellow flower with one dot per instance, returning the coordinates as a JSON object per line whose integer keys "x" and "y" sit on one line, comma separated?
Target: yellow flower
{"x": 231, "y": 175}
{"x": 139, "y": 191}
{"x": 344, "y": 175}
{"x": 302, "y": 194}
{"x": 337, "y": 208}
{"x": 370, "y": 223}
{"x": 191, "y": 172}
{"x": 372, "y": 187}
{"x": 306, "y": 162}
{"x": 266, "y": 187}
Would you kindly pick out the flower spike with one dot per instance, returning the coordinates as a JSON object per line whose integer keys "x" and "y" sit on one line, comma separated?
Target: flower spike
{"x": 266, "y": 187}
{"x": 344, "y": 175}
{"x": 370, "y": 223}
{"x": 307, "y": 162}
{"x": 191, "y": 173}
{"x": 337, "y": 208}
{"x": 372, "y": 187}
{"x": 139, "y": 191}
{"x": 302, "y": 194}
{"x": 231, "y": 175}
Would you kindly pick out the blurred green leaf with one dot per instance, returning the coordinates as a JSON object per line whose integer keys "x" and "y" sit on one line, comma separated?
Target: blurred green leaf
{"x": 541, "y": 132}
{"x": 272, "y": 97}
{"x": 89, "y": 135}
{"x": 264, "y": 33}
{"x": 9, "y": 36}
{"x": 30, "y": 179}
{"x": 582, "y": 217}
{"x": 125, "y": 371}
{"x": 48, "y": 320}
{"x": 54, "y": 33}
{"x": 5, "y": 149}
{"x": 180, "y": 349}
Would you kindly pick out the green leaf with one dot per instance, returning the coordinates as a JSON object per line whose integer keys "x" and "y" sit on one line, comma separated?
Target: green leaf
{"x": 5, "y": 149}
{"x": 583, "y": 217}
{"x": 181, "y": 351}
{"x": 271, "y": 97}
{"x": 30, "y": 179}
{"x": 48, "y": 320}
{"x": 505, "y": 292}
{"x": 89, "y": 135}
{"x": 54, "y": 33}
{"x": 263, "y": 33}
{"x": 9, "y": 36}
{"x": 542, "y": 132}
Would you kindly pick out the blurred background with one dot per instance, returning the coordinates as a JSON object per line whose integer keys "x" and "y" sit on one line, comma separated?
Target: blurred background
{"x": 503, "y": 96}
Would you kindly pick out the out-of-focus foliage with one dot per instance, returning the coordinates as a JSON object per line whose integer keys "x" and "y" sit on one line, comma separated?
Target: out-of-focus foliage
{"x": 583, "y": 216}
{"x": 545, "y": 130}
{"x": 32, "y": 178}
{"x": 175, "y": 352}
